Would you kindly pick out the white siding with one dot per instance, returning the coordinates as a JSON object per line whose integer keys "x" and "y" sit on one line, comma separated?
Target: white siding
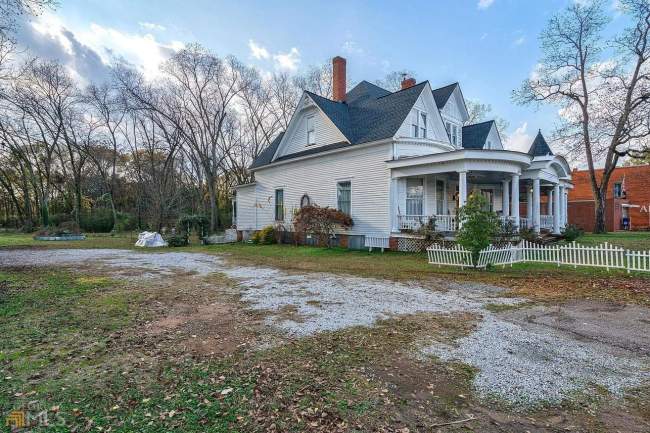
{"x": 296, "y": 138}
{"x": 494, "y": 139}
{"x": 435, "y": 126}
{"x": 317, "y": 177}
{"x": 246, "y": 207}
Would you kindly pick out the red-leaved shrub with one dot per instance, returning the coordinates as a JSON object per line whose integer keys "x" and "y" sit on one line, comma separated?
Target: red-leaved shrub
{"x": 320, "y": 222}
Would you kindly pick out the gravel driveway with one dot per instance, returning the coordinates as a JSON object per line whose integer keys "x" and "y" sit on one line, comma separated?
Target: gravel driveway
{"x": 526, "y": 356}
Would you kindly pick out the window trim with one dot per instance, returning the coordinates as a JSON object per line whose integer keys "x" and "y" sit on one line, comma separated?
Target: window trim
{"x": 620, "y": 192}
{"x": 279, "y": 206}
{"x": 338, "y": 195}
{"x": 417, "y": 131}
{"x": 311, "y": 129}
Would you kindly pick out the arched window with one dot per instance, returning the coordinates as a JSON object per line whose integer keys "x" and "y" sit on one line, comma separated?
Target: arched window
{"x": 305, "y": 201}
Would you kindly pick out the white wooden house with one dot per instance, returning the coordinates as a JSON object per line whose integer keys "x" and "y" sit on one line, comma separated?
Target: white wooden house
{"x": 393, "y": 159}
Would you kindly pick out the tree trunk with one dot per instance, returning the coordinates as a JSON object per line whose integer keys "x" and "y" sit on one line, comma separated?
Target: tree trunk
{"x": 599, "y": 210}
{"x": 214, "y": 207}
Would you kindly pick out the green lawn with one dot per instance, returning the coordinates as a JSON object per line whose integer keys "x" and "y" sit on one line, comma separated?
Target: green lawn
{"x": 19, "y": 240}
{"x": 630, "y": 240}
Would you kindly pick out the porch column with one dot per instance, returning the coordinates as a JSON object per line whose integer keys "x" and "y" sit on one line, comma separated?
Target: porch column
{"x": 462, "y": 188}
{"x": 565, "y": 202}
{"x": 556, "y": 209}
{"x": 515, "y": 199}
{"x": 536, "y": 206}
{"x": 394, "y": 193}
{"x": 549, "y": 205}
{"x": 529, "y": 207}
{"x": 506, "y": 198}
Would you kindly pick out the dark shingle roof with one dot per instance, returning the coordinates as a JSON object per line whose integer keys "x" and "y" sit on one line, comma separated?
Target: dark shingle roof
{"x": 442, "y": 94}
{"x": 475, "y": 136}
{"x": 266, "y": 155}
{"x": 370, "y": 113}
{"x": 540, "y": 147}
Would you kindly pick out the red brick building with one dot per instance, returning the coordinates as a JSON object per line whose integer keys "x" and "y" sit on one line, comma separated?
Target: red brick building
{"x": 627, "y": 199}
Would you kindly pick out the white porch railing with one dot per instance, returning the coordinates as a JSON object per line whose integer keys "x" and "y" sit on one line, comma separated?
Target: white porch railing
{"x": 523, "y": 222}
{"x": 444, "y": 223}
{"x": 546, "y": 221}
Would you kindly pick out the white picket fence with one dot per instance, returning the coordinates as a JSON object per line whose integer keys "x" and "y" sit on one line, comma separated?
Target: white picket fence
{"x": 601, "y": 256}
{"x": 452, "y": 256}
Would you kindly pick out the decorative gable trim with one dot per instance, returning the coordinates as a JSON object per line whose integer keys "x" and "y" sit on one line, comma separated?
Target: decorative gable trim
{"x": 306, "y": 102}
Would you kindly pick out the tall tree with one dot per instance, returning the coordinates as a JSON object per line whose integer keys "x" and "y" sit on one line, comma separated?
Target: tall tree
{"x": 601, "y": 87}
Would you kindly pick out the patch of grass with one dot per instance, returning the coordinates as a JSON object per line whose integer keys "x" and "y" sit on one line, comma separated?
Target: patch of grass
{"x": 538, "y": 281}
{"x": 630, "y": 240}
{"x": 69, "y": 343}
{"x": 26, "y": 240}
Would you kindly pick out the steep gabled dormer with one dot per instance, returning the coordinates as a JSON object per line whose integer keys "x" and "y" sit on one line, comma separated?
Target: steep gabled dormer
{"x": 482, "y": 135}
{"x": 451, "y": 103}
{"x": 311, "y": 125}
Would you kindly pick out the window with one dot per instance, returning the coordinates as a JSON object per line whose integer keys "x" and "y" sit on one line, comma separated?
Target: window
{"x": 448, "y": 128}
{"x": 454, "y": 135}
{"x": 618, "y": 190}
{"x": 440, "y": 197}
{"x": 414, "y": 196}
{"x": 344, "y": 197}
{"x": 418, "y": 124}
{"x": 423, "y": 125}
{"x": 489, "y": 197}
{"x": 279, "y": 205}
{"x": 305, "y": 201}
{"x": 311, "y": 133}
{"x": 414, "y": 123}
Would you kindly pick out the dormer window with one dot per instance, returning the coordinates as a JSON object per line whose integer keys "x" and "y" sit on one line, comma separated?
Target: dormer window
{"x": 418, "y": 124}
{"x": 453, "y": 132}
{"x": 311, "y": 133}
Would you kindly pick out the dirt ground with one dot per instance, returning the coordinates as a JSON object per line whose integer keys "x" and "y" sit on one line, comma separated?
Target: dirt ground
{"x": 380, "y": 355}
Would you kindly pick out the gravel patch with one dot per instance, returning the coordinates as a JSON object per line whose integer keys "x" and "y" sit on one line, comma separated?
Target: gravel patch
{"x": 519, "y": 362}
{"x": 526, "y": 365}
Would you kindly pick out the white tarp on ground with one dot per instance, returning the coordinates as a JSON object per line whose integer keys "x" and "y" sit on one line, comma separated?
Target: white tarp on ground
{"x": 150, "y": 239}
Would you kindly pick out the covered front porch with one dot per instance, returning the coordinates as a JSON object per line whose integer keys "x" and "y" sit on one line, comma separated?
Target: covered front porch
{"x": 517, "y": 190}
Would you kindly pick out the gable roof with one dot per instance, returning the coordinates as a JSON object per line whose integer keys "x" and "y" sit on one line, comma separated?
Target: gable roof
{"x": 540, "y": 147}
{"x": 266, "y": 155}
{"x": 475, "y": 136}
{"x": 442, "y": 94}
{"x": 369, "y": 113}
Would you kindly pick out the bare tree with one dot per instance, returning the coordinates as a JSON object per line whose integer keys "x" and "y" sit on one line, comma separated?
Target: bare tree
{"x": 393, "y": 80}
{"x": 604, "y": 100}
{"x": 479, "y": 112}
{"x": 197, "y": 96}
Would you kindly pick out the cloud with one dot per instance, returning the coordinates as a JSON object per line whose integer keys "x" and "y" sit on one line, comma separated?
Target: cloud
{"x": 519, "y": 41}
{"x": 258, "y": 51}
{"x": 484, "y": 36}
{"x": 287, "y": 61}
{"x": 484, "y": 4}
{"x": 350, "y": 47}
{"x": 152, "y": 26}
{"x": 519, "y": 140}
{"x": 89, "y": 51}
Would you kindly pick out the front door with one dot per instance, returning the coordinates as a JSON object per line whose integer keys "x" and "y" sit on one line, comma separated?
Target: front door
{"x": 489, "y": 196}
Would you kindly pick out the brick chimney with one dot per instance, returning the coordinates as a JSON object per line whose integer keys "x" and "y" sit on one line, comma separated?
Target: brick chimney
{"x": 408, "y": 82}
{"x": 338, "y": 78}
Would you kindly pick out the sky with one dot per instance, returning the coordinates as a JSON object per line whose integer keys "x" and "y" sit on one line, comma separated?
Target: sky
{"x": 489, "y": 46}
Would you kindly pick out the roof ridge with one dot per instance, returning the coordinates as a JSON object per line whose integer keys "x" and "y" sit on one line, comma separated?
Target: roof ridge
{"x": 480, "y": 123}
{"x": 455, "y": 83}
{"x": 402, "y": 90}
